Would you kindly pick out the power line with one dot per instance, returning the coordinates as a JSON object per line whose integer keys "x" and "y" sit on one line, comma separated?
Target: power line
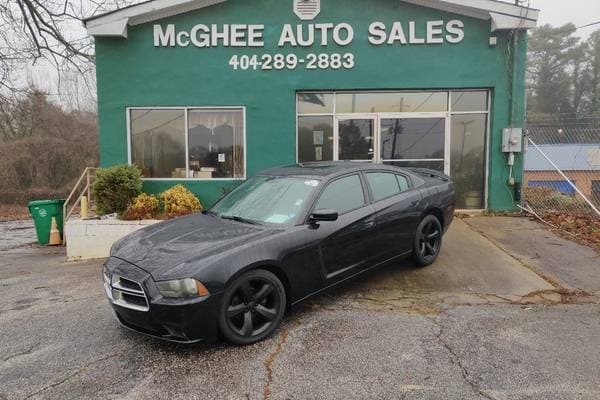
{"x": 577, "y": 27}
{"x": 585, "y": 26}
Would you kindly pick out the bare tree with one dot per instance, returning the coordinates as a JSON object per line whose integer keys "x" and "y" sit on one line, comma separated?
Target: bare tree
{"x": 34, "y": 32}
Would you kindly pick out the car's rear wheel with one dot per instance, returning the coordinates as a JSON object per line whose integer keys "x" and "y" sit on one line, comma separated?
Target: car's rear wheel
{"x": 428, "y": 241}
{"x": 253, "y": 307}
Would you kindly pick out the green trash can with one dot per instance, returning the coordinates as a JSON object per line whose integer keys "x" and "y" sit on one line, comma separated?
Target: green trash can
{"x": 42, "y": 212}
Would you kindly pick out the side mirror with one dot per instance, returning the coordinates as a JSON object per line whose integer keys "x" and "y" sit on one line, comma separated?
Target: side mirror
{"x": 323, "y": 215}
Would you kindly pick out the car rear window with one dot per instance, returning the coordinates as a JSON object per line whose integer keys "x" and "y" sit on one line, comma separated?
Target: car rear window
{"x": 403, "y": 182}
{"x": 383, "y": 185}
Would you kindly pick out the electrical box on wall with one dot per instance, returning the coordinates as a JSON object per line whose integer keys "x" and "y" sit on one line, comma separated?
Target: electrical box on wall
{"x": 512, "y": 140}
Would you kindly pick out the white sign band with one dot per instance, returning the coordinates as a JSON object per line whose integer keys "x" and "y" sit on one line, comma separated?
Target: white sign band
{"x": 308, "y": 35}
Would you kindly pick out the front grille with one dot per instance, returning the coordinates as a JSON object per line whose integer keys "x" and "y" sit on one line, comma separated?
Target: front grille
{"x": 126, "y": 293}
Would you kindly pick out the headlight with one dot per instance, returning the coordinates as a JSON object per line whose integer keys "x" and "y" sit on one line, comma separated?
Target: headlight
{"x": 182, "y": 288}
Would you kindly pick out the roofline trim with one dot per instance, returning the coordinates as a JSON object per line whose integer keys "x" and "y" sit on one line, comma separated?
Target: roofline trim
{"x": 110, "y": 24}
{"x": 503, "y": 16}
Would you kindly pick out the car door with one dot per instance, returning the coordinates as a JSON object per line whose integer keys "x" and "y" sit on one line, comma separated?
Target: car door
{"x": 397, "y": 207}
{"x": 346, "y": 244}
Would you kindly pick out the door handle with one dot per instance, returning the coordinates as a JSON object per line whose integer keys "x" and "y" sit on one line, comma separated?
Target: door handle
{"x": 415, "y": 203}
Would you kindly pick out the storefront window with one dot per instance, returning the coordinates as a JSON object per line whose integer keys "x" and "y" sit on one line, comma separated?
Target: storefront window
{"x": 468, "y": 159}
{"x": 391, "y": 102}
{"x": 158, "y": 142}
{"x": 468, "y": 155}
{"x": 435, "y": 165}
{"x": 412, "y": 139}
{"x": 315, "y": 138}
{"x": 216, "y": 144}
{"x": 315, "y": 103}
{"x": 356, "y": 137}
{"x": 213, "y": 143}
{"x": 469, "y": 101}
{"x": 440, "y": 130}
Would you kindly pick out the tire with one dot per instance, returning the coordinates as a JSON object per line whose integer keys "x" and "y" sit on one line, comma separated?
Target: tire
{"x": 428, "y": 241}
{"x": 252, "y": 308}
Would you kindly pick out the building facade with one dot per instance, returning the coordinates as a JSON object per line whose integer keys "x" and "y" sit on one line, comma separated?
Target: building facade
{"x": 580, "y": 163}
{"x": 208, "y": 92}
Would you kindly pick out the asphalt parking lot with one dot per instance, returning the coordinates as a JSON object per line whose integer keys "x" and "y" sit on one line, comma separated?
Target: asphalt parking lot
{"x": 509, "y": 311}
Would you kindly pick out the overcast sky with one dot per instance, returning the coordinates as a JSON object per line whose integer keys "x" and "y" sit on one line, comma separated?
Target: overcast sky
{"x": 560, "y": 12}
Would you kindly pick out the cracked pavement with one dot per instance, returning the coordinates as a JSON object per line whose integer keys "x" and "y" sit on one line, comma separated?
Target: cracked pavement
{"x": 510, "y": 311}
{"x": 16, "y": 233}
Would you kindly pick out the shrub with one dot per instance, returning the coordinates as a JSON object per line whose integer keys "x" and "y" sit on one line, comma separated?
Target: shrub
{"x": 179, "y": 201}
{"x": 144, "y": 206}
{"x": 116, "y": 187}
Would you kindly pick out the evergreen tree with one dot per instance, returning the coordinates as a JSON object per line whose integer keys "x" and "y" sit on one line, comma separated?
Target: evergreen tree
{"x": 563, "y": 73}
{"x": 551, "y": 53}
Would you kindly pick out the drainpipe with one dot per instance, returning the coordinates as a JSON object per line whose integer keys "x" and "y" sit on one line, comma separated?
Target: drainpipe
{"x": 517, "y": 105}
{"x": 514, "y": 110}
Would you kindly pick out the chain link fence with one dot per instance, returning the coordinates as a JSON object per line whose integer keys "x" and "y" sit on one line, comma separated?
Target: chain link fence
{"x": 561, "y": 182}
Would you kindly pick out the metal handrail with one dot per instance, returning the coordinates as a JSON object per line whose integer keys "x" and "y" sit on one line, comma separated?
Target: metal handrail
{"x": 86, "y": 190}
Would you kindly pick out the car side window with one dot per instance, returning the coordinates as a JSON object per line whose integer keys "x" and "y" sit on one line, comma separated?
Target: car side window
{"x": 403, "y": 182}
{"x": 342, "y": 195}
{"x": 384, "y": 185}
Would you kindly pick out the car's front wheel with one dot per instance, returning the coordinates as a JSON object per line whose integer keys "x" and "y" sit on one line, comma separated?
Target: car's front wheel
{"x": 253, "y": 307}
{"x": 428, "y": 241}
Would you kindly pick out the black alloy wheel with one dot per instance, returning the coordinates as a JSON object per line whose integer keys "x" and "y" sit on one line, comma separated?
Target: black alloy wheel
{"x": 253, "y": 307}
{"x": 428, "y": 241}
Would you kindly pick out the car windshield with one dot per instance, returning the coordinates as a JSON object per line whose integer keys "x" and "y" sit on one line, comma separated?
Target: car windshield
{"x": 267, "y": 199}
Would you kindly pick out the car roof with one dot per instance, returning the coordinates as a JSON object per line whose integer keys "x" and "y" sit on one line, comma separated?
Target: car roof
{"x": 325, "y": 169}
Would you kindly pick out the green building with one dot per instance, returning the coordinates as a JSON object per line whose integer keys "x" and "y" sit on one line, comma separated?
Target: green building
{"x": 208, "y": 92}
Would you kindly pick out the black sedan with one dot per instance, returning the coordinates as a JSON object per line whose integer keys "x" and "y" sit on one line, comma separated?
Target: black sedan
{"x": 277, "y": 239}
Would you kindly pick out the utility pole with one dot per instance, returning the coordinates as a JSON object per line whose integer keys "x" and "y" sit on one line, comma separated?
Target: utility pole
{"x": 397, "y": 129}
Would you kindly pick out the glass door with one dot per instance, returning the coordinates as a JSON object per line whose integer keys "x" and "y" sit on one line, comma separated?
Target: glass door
{"x": 419, "y": 141}
{"x": 356, "y": 138}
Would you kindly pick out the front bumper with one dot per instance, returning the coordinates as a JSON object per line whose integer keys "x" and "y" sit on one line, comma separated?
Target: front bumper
{"x": 175, "y": 320}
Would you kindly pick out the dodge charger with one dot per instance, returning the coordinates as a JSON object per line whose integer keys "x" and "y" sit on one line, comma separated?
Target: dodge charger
{"x": 280, "y": 237}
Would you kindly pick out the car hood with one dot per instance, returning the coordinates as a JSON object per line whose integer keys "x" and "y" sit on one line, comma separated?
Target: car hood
{"x": 167, "y": 249}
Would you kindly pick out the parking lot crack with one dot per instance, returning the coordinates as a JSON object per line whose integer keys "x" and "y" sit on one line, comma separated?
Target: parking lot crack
{"x": 546, "y": 297}
{"x": 72, "y": 375}
{"x": 21, "y": 353}
{"x": 456, "y": 360}
{"x": 270, "y": 360}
